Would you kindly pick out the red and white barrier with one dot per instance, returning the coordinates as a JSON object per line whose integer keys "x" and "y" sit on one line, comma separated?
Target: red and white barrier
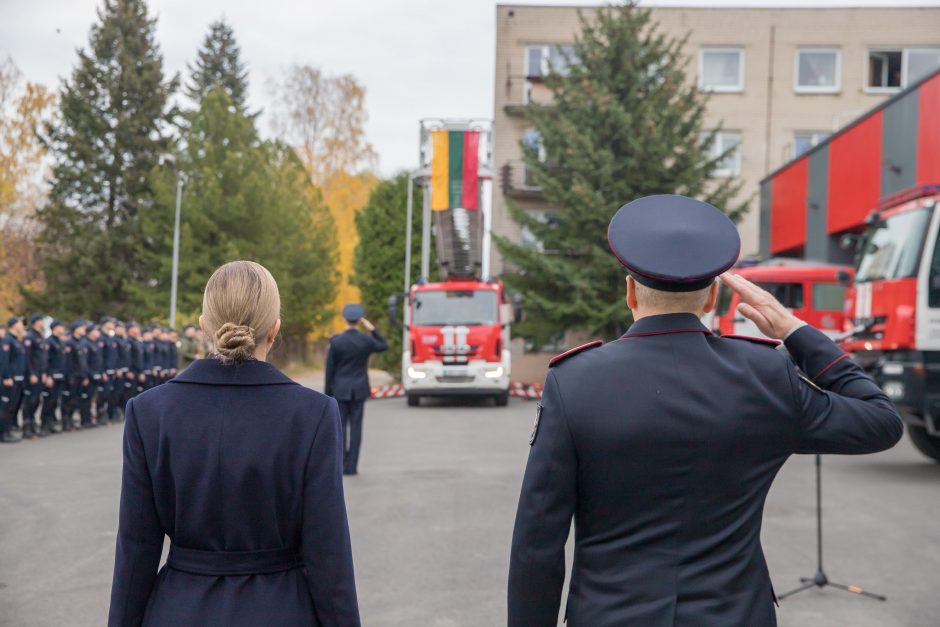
{"x": 388, "y": 391}
{"x": 529, "y": 391}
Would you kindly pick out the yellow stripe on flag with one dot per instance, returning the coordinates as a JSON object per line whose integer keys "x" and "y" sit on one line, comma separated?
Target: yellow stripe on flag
{"x": 439, "y": 171}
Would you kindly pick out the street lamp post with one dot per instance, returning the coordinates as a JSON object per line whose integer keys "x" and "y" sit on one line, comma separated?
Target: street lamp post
{"x": 174, "y": 281}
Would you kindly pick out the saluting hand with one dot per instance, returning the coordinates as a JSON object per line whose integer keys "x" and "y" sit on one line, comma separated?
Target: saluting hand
{"x": 760, "y": 307}
{"x": 368, "y": 325}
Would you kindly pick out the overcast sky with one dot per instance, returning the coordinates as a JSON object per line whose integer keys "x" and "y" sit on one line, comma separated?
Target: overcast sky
{"x": 417, "y": 58}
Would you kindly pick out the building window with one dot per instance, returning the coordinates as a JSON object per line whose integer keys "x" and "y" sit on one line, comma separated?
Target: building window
{"x": 725, "y": 141}
{"x": 532, "y": 140}
{"x": 540, "y": 60}
{"x": 528, "y": 239}
{"x": 894, "y": 69}
{"x": 721, "y": 69}
{"x": 804, "y": 140}
{"x": 818, "y": 70}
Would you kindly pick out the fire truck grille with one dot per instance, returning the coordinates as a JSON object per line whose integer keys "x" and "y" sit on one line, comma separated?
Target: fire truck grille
{"x": 455, "y": 379}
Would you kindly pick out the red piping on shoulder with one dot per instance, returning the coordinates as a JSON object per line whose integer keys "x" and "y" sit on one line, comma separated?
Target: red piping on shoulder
{"x": 833, "y": 363}
{"x": 751, "y": 338}
{"x": 568, "y": 353}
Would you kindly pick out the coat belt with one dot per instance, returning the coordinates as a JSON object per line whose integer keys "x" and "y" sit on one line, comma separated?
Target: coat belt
{"x": 221, "y": 563}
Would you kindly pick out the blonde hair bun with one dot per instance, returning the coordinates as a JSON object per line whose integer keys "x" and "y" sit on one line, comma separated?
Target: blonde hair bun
{"x": 234, "y": 342}
{"x": 240, "y": 306}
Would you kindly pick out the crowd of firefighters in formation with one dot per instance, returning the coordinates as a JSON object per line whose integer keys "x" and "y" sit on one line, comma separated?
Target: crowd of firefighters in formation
{"x": 83, "y": 368}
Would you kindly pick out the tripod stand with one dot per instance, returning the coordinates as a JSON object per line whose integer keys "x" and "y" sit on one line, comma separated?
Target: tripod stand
{"x": 820, "y": 580}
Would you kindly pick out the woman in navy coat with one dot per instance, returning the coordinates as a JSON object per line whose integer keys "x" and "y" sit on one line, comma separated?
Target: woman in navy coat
{"x": 242, "y": 469}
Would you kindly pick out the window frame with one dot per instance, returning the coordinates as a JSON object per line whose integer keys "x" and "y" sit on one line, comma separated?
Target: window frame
{"x": 816, "y": 89}
{"x": 905, "y": 66}
{"x": 723, "y": 89}
{"x": 713, "y": 153}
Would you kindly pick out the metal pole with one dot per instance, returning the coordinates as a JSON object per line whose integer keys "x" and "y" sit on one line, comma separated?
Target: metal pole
{"x": 487, "y": 202}
{"x": 174, "y": 280}
{"x": 408, "y": 220}
{"x": 426, "y": 236}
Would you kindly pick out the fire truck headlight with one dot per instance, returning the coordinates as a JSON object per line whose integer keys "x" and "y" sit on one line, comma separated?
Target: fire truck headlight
{"x": 894, "y": 389}
{"x": 892, "y": 368}
{"x": 494, "y": 373}
{"x": 414, "y": 373}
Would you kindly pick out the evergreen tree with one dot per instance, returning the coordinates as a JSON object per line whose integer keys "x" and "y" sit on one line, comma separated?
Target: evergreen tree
{"x": 242, "y": 199}
{"x": 378, "y": 261}
{"x": 218, "y": 64}
{"x": 624, "y": 123}
{"x": 108, "y": 137}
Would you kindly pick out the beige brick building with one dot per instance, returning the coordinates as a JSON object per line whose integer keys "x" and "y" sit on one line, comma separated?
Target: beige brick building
{"x": 781, "y": 79}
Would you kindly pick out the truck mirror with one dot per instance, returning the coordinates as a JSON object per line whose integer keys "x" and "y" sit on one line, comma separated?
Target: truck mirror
{"x": 850, "y": 242}
{"x": 393, "y": 309}
{"x": 516, "y": 307}
{"x": 844, "y": 277}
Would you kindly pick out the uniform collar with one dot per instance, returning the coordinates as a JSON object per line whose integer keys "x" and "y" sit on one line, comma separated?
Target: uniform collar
{"x": 667, "y": 323}
{"x": 250, "y": 372}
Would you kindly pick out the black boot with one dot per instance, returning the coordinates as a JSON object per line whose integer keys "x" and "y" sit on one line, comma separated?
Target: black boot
{"x": 28, "y": 431}
{"x": 9, "y": 436}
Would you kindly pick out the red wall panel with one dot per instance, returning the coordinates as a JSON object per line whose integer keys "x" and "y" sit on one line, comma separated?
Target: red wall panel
{"x": 928, "y": 140}
{"x": 854, "y": 174}
{"x": 788, "y": 207}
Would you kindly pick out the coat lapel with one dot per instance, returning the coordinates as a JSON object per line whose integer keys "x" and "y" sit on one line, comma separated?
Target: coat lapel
{"x": 250, "y": 372}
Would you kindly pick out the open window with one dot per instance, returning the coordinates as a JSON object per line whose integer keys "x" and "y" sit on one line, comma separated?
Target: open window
{"x": 894, "y": 69}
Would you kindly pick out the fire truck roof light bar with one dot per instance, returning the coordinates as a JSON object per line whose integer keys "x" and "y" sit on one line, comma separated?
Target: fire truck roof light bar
{"x": 911, "y": 193}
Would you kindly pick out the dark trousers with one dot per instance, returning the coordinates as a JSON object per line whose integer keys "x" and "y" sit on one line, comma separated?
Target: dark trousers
{"x": 50, "y": 402}
{"x": 32, "y": 399}
{"x": 115, "y": 395}
{"x": 80, "y": 399}
{"x": 351, "y": 413}
{"x": 10, "y": 398}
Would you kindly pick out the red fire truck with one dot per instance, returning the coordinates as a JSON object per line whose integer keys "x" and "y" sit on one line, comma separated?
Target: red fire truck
{"x": 457, "y": 330}
{"x": 814, "y": 292}
{"x": 871, "y": 193}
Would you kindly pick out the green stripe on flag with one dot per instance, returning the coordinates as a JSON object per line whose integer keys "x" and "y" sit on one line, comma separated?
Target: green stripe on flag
{"x": 455, "y": 169}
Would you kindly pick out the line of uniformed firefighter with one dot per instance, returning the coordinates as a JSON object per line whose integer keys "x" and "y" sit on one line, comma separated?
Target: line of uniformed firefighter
{"x": 82, "y": 368}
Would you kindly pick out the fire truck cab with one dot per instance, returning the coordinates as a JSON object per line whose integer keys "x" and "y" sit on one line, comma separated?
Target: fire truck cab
{"x": 815, "y": 292}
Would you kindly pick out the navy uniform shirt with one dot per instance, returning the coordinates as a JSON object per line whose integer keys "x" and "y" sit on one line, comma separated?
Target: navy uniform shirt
{"x": 662, "y": 446}
{"x": 76, "y": 359}
{"x": 34, "y": 353}
{"x": 347, "y": 364}
{"x": 94, "y": 350}
{"x": 110, "y": 351}
{"x": 123, "y": 352}
{"x": 135, "y": 355}
{"x": 149, "y": 355}
{"x": 14, "y": 365}
{"x": 55, "y": 357}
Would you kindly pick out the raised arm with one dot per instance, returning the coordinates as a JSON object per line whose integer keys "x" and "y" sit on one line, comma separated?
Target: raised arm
{"x": 327, "y": 550}
{"x": 543, "y": 518}
{"x": 139, "y": 536}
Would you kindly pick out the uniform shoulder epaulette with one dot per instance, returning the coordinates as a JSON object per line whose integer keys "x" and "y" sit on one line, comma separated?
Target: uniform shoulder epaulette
{"x": 557, "y": 359}
{"x": 756, "y": 340}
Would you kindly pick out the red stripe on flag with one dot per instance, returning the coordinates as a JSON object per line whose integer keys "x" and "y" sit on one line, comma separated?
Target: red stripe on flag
{"x": 471, "y": 159}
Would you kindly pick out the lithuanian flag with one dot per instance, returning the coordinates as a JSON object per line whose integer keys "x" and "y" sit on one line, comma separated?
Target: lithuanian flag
{"x": 454, "y": 178}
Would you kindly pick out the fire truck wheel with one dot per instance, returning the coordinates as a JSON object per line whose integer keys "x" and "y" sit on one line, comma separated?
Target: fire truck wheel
{"x": 501, "y": 400}
{"x": 926, "y": 444}
{"x": 414, "y": 400}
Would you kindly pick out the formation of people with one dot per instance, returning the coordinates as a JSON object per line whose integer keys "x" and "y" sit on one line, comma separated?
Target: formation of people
{"x": 82, "y": 369}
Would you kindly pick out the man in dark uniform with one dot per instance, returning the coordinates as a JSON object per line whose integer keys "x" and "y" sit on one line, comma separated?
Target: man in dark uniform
{"x": 122, "y": 383}
{"x": 662, "y": 445}
{"x": 54, "y": 380}
{"x": 14, "y": 375}
{"x": 347, "y": 378}
{"x": 110, "y": 355}
{"x": 136, "y": 360}
{"x": 35, "y": 366}
{"x": 97, "y": 392}
{"x": 79, "y": 378}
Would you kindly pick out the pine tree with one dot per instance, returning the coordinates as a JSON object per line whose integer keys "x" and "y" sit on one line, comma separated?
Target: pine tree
{"x": 624, "y": 122}
{"x": 378, "y": 259}
{"x": 218, "y": 64}
{"x": 109, "y": 136}
{"x": 242, "y": 199}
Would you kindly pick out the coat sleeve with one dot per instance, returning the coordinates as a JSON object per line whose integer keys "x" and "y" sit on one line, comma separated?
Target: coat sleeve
{"x": 330, "y": 371}
{"x": 543, "y": 518}
{"x": 379, "y": 345}
{"x": 841, "y": 409}
{"x": 139, "y": 536}
{"x": 327, "y": 550}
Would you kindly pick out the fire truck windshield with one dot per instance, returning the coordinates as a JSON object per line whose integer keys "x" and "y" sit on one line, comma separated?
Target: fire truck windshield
{"x": 463, "y": 307}
{"x": 892, "y": 248}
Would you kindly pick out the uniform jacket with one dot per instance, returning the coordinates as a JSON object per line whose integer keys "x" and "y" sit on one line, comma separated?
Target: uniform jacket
{"x": 35, "y": 361}
{"x": 662, "y": 447}
{"x": 55, "y": 357}
{"x": 136, "y": 361}
{"x": 347, "y": 364}
{"x": 76, "y": 359}
{"x": 14, "y": 361}
{"x": 242, "y": 469}
{"x": 111, "y": 352}
{"x": 94, "y": 350}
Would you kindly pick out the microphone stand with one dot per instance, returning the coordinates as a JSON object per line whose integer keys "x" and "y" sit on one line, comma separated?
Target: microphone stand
{"x": 820, "y": 579}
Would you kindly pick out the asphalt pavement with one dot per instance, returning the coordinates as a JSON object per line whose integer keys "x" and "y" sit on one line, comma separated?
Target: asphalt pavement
{"x": 431, "y": 517}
